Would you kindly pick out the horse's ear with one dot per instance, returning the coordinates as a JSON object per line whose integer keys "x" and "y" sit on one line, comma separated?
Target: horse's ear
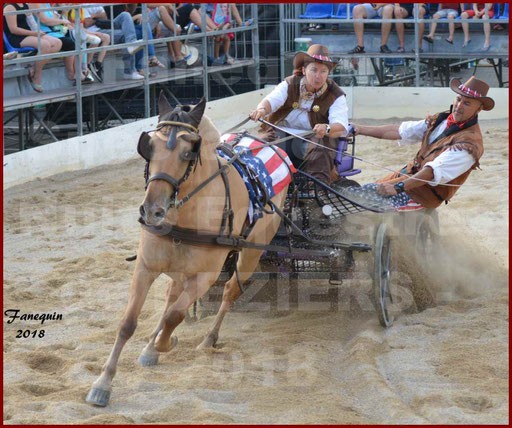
{"x": 197, "y": 112}
{"x": 163, "y": 105}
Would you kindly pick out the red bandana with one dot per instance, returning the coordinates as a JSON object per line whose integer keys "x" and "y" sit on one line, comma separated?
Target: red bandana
{"x": 451, "y": 121}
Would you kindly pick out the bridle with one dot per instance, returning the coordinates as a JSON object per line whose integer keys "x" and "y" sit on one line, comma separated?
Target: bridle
{"x": 191, "y": 156}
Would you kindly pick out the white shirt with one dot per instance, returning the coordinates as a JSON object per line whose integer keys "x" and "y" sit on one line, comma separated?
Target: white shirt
{"x": 88, "y": 12}
{"x": 298, "y": 118}
{"x": 449, "y": 164}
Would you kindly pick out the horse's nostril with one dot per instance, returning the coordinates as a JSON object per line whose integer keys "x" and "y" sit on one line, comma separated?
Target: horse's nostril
{"x": 142, "y": 211}
{"x": 159, "y": 213}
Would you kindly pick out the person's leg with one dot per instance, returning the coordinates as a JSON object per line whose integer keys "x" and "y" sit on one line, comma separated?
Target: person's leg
{"x": 49, "y": 45}
{"x": 359, "y": 12}
{"x": 139, "y": 55}
{"x": 399, "y": 27}
{"x": 433, "y": 27}
{"x": 421, "y": 27}
{"x": 124, "y": 22}
{"x": 387, "y": 13}
{"x": 167, "y": 20}
{"x": 105, "y": 41}
{"x": 487, "y": 33}
{"x": 465, "y": 28}
{"x": 451, "y": 27}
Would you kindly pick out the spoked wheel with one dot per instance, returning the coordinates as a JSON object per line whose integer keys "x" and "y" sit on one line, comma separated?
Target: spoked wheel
{"x": 381, "y": 276}
{"x": 427, "y": 235}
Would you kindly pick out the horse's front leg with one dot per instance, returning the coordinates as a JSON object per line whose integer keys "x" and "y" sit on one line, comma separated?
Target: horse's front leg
{"x": 194, "y": 288}
{"x": 149, "y": 355}
{"x": 141, "y": 282}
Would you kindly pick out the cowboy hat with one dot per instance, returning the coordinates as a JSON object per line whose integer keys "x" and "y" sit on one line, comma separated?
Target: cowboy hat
{"x": 473, "y": 88}
{"x": 318, "y": 53}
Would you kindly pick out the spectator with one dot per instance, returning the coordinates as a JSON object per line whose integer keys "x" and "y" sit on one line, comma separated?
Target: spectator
{"x": 368, "y": 11}
{"x": 54, "y": 26}
{"x": 445, "y": 10}
{"x": 221, "y": 15}
{"x": 20, "y": 35}
{"x": 402, "y": 11}
{"x": 152, "y": 59}
{"x": 164, "y": 26}
{"x": 478, "y": 12}
{"x": 124, "y": 32}
{"x": 87, "y": 39}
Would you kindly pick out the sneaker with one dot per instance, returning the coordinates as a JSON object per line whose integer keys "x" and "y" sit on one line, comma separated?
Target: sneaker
{"x": 229, "y": 60}
{"x": 94, "y": 72}
{"x": 132, "y": 76}
{"x": 358, "y": 49}
{"x": 132, "y": 50}
{"x": 88, "y": 77}
{"x": 385, "y": 49}
{"x": 99, "y": 69}
{"x": 218, "y": 61}
{"x": 151, "y": 73}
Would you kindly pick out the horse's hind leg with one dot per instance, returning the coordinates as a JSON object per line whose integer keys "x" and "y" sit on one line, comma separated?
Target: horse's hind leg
{"x": 141, "y": 282}
{"x": 246, "y": 264}
{"x": 149, "y": 355}
{"x": 194, "y": 288}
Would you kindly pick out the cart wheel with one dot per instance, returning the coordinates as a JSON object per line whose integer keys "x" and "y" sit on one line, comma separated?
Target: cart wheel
{"x": 381, "y": 276}
{"x": 427, "y": 235}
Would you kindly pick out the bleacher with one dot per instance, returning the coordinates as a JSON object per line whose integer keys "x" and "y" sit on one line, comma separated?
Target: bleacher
{"x": 19, "y": 96}
{"x": 332, "y": 24}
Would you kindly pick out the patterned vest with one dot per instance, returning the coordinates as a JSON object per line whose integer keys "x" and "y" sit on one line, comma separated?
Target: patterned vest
{"x": 469, "y": 137}
{"x": 324, "y": 102}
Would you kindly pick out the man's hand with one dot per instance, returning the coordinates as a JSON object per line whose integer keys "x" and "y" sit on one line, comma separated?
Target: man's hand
{"x": 258, "y": 113}
{"x": 386, "y": 189}
{"x": 320, "y": 129}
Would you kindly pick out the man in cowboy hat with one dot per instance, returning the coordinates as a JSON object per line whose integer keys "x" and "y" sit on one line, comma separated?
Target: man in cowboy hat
{"x": 451, "y": 147}
{"x": 309, "y": 100}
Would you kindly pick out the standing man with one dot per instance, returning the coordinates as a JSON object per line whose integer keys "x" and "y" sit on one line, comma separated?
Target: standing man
{"x": 451, "y": 147}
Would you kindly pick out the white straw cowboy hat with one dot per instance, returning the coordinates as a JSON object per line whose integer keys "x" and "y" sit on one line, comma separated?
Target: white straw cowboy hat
{"x": 473, "y": 88}
{"x": 190, "y": 53}
{"x": 317, "y": 53}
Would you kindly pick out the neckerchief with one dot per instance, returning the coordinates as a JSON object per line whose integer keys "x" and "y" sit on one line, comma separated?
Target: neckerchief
{"x": 451, "y": 121}
{"x": 310, "y": 96}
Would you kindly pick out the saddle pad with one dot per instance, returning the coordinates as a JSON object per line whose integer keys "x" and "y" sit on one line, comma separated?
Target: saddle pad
{"x": 264, "y": 163}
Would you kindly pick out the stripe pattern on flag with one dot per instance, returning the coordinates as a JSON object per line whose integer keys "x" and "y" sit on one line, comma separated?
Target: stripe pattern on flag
{"x": 411, "y": 206}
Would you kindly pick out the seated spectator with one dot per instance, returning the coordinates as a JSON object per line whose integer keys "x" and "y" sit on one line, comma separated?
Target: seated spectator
{"x": 124, "y": 32}
{"x": 163, "y": 25}
{"x": 20, "y": 35}
{"x": 153, "y": 61}
{"x": 402, "y": 11}
{"x": 478, "y": 12}
{"x": 368, "y": 11}
{"x": 87, "y": 39}
{"x": 54, "y": 25}
{"x": 221, "y": 15}
{"x": 445, "y": 10}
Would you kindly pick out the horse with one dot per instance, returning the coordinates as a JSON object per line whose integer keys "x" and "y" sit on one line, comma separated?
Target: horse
{"x": 184, "y": 145}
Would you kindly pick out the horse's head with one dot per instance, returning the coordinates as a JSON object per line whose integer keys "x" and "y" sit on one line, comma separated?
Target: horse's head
{"x": 171, "y": 151}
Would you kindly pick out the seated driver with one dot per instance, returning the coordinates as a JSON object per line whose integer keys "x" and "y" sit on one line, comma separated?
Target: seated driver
{"x": 309, "y": 100}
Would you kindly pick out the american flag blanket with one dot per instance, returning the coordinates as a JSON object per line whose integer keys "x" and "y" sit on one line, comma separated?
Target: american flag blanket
{"x": 262, "y": 164}
{"x": 368, "y": 194}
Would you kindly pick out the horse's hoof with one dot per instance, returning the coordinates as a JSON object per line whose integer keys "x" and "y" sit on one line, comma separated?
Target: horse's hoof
{"x": 98, "y": 397}
{"x": 208, "y": 343}
{"x": 146, "y": 360}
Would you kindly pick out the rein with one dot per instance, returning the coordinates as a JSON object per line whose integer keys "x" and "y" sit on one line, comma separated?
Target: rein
{"x": 352, "y": 156}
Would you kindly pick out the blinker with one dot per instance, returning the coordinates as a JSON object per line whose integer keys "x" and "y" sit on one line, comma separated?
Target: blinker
{"x": 144, "y": 146}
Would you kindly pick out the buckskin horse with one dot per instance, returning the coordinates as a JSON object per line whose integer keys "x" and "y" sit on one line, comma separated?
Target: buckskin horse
{"x": 182, "y": 163}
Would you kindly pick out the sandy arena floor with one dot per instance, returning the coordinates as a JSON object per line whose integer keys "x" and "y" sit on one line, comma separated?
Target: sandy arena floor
{"x": 65, "y": 241}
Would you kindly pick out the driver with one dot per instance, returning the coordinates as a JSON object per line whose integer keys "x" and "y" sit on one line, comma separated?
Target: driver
{"x": 309, "y": 100}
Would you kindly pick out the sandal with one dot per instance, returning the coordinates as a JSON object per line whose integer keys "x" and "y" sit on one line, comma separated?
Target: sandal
{"x": 400, "y": 50}
{"x": 35, "y": 86}
{"x": 428, "y": 39}
{"x": 449, "y": 41}
{"x": 154, "y": 62}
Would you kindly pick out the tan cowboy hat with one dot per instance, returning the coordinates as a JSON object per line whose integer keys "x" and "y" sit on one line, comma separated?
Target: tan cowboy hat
{"x": 318, "y": 53}
{"x": 473, "y": 88}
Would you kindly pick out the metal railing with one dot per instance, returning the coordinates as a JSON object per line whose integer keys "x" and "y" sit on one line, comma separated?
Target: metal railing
{"x": 289, "y": 14}
{"x": 202, "y": 36}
